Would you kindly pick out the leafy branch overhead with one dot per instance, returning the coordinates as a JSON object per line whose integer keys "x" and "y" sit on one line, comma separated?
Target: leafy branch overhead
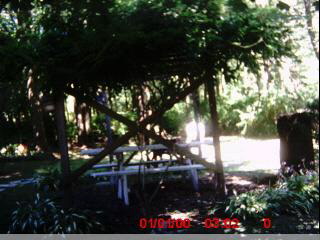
{"x": 119, "y": 44}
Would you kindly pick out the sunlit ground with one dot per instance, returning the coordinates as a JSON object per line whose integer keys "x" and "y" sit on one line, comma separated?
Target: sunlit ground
{"x": 243, "y": 154}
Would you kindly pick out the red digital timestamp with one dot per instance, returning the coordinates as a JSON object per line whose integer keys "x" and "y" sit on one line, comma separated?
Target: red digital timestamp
{"x": 221, "y": 223}
{"x": 186, "y": 223}
{"x": 164, "y": 223}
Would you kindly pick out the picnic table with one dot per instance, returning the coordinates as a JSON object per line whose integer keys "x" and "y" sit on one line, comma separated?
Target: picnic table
{"x": 144, "y": 167}
{"x": 150, "y": 147}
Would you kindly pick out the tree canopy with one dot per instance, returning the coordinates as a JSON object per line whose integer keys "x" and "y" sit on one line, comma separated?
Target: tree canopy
{"x": 117, "y": 44}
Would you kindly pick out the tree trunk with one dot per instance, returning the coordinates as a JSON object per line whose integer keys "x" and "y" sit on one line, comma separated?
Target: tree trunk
{"x": 140, "y": 100}
{"x": 296, "y": 148}
{"x": 63, "y": 147}
{"x": 266, "y": 65}
{"x": 219, "y": 175}
{"x": 82, "y": 112}
{"x": 36, "y": 112}
{"x": 196, "y": 110}
{"x": 108, "y": 122}
{"x": 312, "y": 35}
{"x": 103, "y": 98}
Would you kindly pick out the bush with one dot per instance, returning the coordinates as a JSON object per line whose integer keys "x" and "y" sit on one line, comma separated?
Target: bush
{"x": 283, "y": 201}
{"x": 72, "y": 131}
{"x": 50, "y": 180}
{"x": 9, "y": 151}
{"x": 305, "y": 185}
{"x": 174, "y": 119}
{"x": 251, "y": 205}
{"x": 313, "y": 107}
{"x": 294, "y": 196}
{"x": 15, "y": 150}
{"x": 44, "y": 216}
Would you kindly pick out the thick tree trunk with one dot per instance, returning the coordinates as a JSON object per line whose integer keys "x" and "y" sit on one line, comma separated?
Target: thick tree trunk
{"x": 36, "y": 112}
{"x": 63, "y": 147}
{"x": 296, "y": 148}
{"x": 219, "y": 175}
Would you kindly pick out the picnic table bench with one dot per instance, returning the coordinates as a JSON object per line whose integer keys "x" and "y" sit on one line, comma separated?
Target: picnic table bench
{"x": 123, "y": 182}
{"x": 140, "y": 167}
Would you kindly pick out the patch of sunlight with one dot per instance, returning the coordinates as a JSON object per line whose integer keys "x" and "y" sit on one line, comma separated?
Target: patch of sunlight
{"x": 77, "y": 156}
{"x": 244, "y": 154}
{"x": 180, "y": 215}
{"x": 241, "y": 228}
{"x": 239, "y": 181}
{"x": 316, "y": 224}
{"x": 15, "y": 174}
{"x": 47, "y": 169}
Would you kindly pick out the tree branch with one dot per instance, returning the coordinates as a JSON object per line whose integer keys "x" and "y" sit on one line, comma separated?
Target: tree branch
{"x": 247, "y": 46}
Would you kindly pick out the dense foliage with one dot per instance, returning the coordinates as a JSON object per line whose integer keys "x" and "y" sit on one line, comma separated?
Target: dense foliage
{"x": 296, "y": 195}
{"x": 43, "y": 215}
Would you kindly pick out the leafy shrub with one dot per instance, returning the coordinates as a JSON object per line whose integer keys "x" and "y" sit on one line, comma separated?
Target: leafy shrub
{"x": 9, "y": 150}
{"x": 72, "y": 131}
{"x": 284, "y": 201}
{"x": 174, "y": 119}
{"x": 48, "y": 180}
{"x": 305, "y": 185}
{"x": 31, "y": 217}
{"x": 247, "y": 205}
{"x": 313, "y": 107}
{"x": 74, "y": 221}
{"x": 98, "y": 124}
{"x": 13, "y": 150}
{"x": 44, "y": 216}
{"x": 294, "y": 195}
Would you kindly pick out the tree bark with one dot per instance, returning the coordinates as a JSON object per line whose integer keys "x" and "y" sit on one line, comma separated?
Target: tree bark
{"x": 139, "y": 101}
{"x": 36, "y": 112}
{"x": 63, "y": 148}
{"x": 196, "y": 110}
{"x": 296, "y": 148}
{"x": 219, "y": 175}
{"x": 312, "y": 35}
{"x": 82, "y": 112}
